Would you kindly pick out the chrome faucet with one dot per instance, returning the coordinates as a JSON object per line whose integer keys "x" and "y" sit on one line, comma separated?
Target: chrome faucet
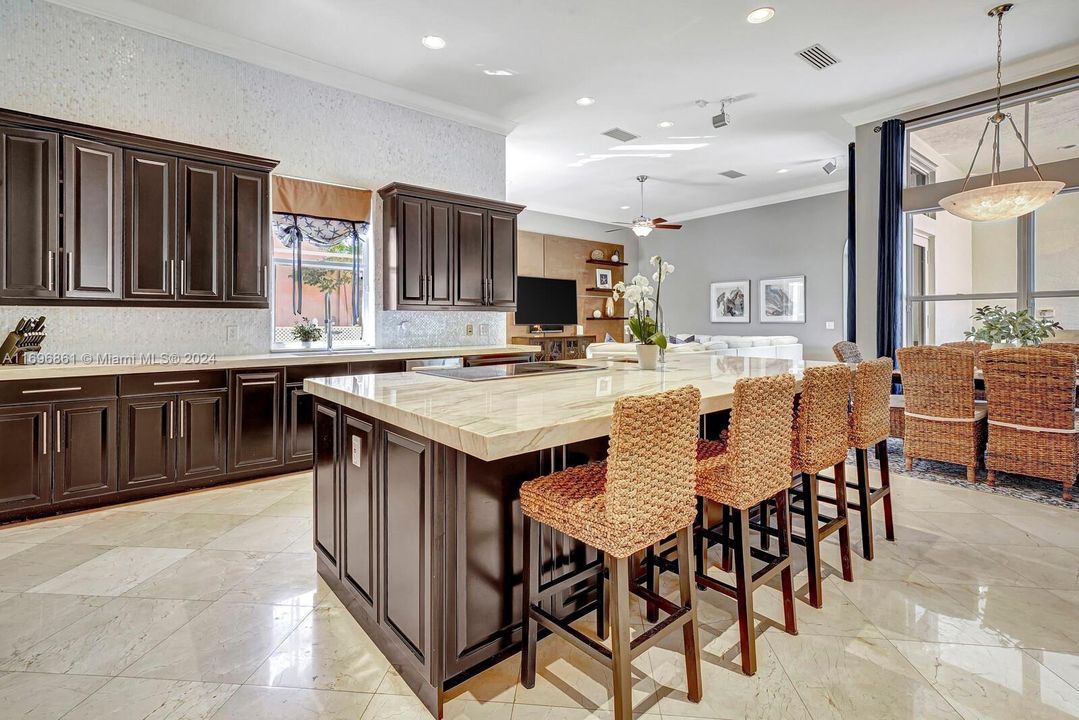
{"x": 329, "y": 323}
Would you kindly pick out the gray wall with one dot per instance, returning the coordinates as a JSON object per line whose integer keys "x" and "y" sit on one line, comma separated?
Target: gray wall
{"x": 548, "y": 224}
{"x": 800, "y": 237}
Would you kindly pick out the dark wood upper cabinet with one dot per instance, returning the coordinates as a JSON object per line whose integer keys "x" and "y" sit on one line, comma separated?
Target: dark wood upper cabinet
{"x": 256, "y": 435}
{"x": 85, "y": 449}
{"x": 201, "y": 247}
{"x": 202, "y": 430}
{"x": 149, "y": 225}
{"x": 247, "y": 232}
{"x": 25, "y": 456}
{"x": 93, "y": 225}
{"x": 29, "y": 213}
{"x": 445, "y": 250}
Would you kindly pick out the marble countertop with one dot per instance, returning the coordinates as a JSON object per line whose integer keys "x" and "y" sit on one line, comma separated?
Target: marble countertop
{"x": 198, "y": 361}
{"x": 500, "y": 418}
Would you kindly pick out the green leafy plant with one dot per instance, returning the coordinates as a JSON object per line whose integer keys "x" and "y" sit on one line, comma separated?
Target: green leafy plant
{"x": 1006, "y": 327}
{"x": 306, "y": 330}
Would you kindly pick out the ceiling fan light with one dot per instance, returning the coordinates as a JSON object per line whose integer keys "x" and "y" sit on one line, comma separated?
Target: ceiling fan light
{"x": 1001, "y": 202}
{"x": 641, "y": 230}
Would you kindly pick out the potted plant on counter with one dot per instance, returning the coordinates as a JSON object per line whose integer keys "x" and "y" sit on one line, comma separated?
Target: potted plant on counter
{"x": 1005, "y": 328}
{"x": 306, "y": 331}
{"x": 641, "y": 298}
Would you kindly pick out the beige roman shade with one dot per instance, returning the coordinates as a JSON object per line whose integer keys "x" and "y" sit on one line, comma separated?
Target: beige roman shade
{"x": 306, "y": 197}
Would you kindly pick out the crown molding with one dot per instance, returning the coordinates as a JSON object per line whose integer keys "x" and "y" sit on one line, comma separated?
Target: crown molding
{"x": 156, "y": 22}
{"x": 762, "y": 201}
{"x": 978, "y": 82}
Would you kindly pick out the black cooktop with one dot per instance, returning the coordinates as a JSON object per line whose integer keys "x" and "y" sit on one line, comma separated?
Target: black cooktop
{"x": 500, "y": 372}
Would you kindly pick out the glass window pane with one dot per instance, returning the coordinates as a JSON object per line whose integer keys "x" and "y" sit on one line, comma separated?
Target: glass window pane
{"x": 952, "y": 256}
{"x": 1052, "y": 128}
{"x": 315, "y": 283}
{"x": 939, "y": 321}
{"x": 1065, "y": 310}
{"x": 1056, "y": 244}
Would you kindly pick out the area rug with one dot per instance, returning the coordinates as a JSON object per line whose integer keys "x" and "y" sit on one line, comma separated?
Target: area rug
{"x": 1021, "y": 487}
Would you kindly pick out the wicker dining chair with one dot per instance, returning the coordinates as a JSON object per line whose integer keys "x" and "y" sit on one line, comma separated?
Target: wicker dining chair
{"x": 754, "y": 466}
{"x": 644, "y": 492}
{"x": 1068, "y": 347}
{"x": 872, "y": 418}
{"x": 847, "y": 352}
{"x": 1033, "y": 426}
{"x": 942, "y": 421}
{"x": 975, "y": 346}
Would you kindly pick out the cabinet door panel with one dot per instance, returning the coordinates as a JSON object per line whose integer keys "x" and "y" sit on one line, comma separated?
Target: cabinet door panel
{"x": 202, "y": 430}
{"x": 247, "y": 231}
{"x": 411, "y": 251}
{"x": 256, "y": 438}
{"x": 147, "y": 441}
{"x": 299, "y": 445}
{"x": 149, "y": 225}
{"x": 359, "y": 516}
{"x": 440, "y": 253}
{"x": 502, "y": 259}
{"x": 326, "y": 436}
{"x": 201, "y": 203}
{"x": 470, "y": 278}
{"x": 405, "y": 501}
{"x": 29, "y": 213}
{"x": 25, "y": 456}
{"x": 86, "y": 456}
{"x": 93, "y": 227}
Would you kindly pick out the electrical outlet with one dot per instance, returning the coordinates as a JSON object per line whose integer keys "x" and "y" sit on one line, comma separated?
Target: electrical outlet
{"x": 829, "y": 325}
{"x": 468, "y": 330}
{"x": 232, "y": 333}
{"x": 484, "y": 329}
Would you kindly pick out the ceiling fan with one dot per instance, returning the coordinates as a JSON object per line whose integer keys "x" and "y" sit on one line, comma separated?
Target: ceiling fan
{"x": 643, "y": 225}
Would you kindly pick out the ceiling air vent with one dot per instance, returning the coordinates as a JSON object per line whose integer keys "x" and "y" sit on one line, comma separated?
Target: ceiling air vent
{"x": 620, "y": 135}
{"x": 732, "y": 174}
{"x": 818, "y": 57}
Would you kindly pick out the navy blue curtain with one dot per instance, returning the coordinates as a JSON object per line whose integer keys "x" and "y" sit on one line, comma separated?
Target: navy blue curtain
{"x": 852, "y": 245}
{"x": 890, "y": 239}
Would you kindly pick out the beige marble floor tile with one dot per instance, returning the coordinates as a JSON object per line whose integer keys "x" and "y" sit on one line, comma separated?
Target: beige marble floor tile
{"x": 992, "y": 683}
{"x": 302, "y": 545}
{"x": 962, "y": 563}
{"x": 27, "y": 619}
{"x": 247, "y": 503}
{"x": 461, "y": 709}
{"x": 113, "y": 572}
{"x": 7, "y": 596}
{"x": 399, "y": 707}
{"x": 39, "y": 696}
{"x": 539, "y": 712}
{"x": 981, "y": 529}
{"x": 1045, "y": 567}
{"x": 263, "y": 534}
{"x": 42, "y": 563}
{"x": 142, "y": 699}
{"x": 34, "y": 532}
{"x": 290, "y": 507}
{"x": 284, "y": 579}
{"x": 202, "y": 575}
{"x": 327, "y": 651}
{"x": 1064, "y": 664}
{"x": 109, "y": 638}
{"x": 495, "y": 684}
{"x": 114, "y": 528}
{"x": 180, "y": 503}
{"x": 7, "y": 549}
{"x": 857, "y": 678}
{"x": 920, "y": 611}
{"x": 251, "y": 702}
{"x": 188, "y": 530}
{"x": 1059, "y": 530}
{"x": 1027, "y": 617}
{"x": 226, "y": 643}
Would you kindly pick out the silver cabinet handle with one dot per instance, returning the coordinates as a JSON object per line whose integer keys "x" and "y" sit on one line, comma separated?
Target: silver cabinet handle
{"x": 171, "y": 427}
{"x": 176, "y": 382}
{"x": 265, "y": 286}
{"x": 59, "y": 442}
{"x": 170, "y": 276}
{"x": 52, "y": 270}
{"x": 181, "y": 418}
{"x": 50, "y": 390}
{"x": 70, "y": 271}
{"x": 260, "y": 382}
{"x": 180, "y": 279}
{"x": 45, "y": 430}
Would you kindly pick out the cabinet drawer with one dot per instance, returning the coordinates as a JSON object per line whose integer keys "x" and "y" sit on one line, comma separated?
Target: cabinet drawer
{"x": 299, "y": 373}
{"x": 376, "y": 367}
{"x": 172, "y": 382}
{"x": 55, "y": 389}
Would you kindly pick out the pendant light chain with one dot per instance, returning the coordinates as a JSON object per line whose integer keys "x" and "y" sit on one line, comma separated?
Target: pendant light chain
{"x": 1000, "y": 57}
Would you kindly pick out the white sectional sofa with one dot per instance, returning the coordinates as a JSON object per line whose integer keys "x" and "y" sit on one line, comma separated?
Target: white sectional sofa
{"x": 781, "y": 346}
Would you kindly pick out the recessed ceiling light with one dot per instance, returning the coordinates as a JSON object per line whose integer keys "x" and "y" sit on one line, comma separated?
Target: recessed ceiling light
{"x": 623, "y": 207}
{"x": 586, "y": 101}
{"x": 780, "y": 171}
{"x": 761, "y": 15}
{"x": 499, "y": 73}
{"x": 433, "y": 42}
{"x": 665, "y": 124}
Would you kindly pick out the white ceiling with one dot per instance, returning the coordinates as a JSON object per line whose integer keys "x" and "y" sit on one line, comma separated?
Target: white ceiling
{"x": 643, "y": 61}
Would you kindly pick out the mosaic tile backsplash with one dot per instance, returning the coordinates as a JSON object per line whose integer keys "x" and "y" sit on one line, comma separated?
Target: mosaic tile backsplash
{"x": 61, "y": 63}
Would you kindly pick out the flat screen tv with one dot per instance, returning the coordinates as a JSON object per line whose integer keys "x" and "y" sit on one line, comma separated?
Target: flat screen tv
{"x": 546, "y": 301}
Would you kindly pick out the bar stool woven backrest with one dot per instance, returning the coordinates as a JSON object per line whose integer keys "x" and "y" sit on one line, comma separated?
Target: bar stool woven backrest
{"x": 759, "y": 445}
{"x": 1032, "y": 387}
{"x": 652, "y": 465}
{"x": 1061, "y": 346}
{"x": 869, "y": 415}
{"x": 938, "y": 382}
{"x": 977, "y": 347}
{"x": 848, "y": 352}
{"x": 820, "y": 426}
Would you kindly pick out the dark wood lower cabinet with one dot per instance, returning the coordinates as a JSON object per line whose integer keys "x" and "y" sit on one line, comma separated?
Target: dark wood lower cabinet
{"x": 85, "y": 449}
{"x": 327, "y": 436}
{"x": 359, "y": 514}
{"x": 300, "y": 412}
{"x": 257, "y": 432}
{"x": 147, "y": 441}
{"x": 202, "y": 427}
{"x": 25, "y": 457}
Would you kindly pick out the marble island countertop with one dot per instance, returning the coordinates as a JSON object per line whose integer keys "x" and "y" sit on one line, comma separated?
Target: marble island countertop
{"x": 130, "y": 364}
{"x": 500, "y": 418}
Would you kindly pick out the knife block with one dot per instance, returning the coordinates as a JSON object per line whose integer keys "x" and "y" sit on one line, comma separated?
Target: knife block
{"x": 18, "y": 343}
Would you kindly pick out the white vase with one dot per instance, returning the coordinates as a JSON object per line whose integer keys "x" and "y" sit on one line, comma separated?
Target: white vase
{"x": 647, "y": 356}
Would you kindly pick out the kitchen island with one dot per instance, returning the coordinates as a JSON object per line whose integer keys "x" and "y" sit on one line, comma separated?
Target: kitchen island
{"x": 416, "y": 477}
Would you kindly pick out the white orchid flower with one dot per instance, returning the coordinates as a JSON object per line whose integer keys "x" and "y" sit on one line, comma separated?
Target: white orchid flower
{"x": 639, "y": 280}
{"x": 656, "y": 260}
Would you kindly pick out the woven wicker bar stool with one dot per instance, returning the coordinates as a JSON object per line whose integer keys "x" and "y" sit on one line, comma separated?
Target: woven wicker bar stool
{"x": 1033, "y": 426}
{"x": 755, "y": 466}
{"x": 943, "y": 422}
{"x": 1068, "y": 347}
{"x": 642, "y": 494}
{"x": 975, "y": 346}
{"x": 847, "y": 352}
{"x": 820, "y": 441}
{"x": 870, "y": 421}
